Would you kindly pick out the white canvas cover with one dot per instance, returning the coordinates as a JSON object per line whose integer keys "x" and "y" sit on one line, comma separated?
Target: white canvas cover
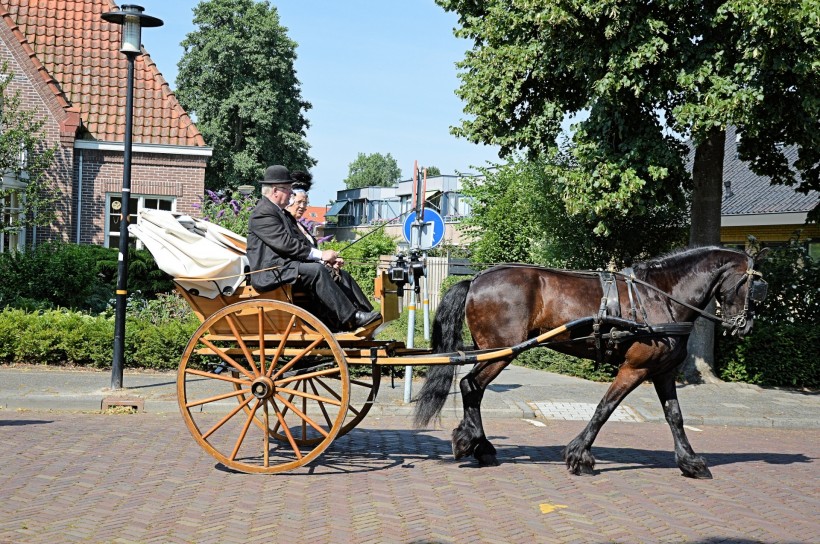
{"x": 203, "y": 258}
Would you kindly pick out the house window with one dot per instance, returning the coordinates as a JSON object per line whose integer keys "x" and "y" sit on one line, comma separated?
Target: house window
{"x": 113, "y": 213}
{"x": 11, "y": 208}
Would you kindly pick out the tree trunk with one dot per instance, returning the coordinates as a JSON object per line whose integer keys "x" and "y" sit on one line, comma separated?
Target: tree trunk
{"x": 707, "y": 175}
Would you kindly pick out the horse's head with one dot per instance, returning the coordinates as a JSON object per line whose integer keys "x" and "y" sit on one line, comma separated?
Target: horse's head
{"x": 740, "y": 289}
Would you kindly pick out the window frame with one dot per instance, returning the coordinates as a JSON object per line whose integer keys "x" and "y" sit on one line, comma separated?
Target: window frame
{"x": 112, "y": 236}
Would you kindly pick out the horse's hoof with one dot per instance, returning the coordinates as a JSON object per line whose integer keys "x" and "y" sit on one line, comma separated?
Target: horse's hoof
{"x": 485, "y": 454}
{"x": 487, "y": 461}
{"x": 703, "y": 473}
{"x": 580, "y": 460}
{"x": 695, "y": 468}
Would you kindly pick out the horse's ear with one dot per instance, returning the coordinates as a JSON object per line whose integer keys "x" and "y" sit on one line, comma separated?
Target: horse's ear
{"x": 760, "y": 255}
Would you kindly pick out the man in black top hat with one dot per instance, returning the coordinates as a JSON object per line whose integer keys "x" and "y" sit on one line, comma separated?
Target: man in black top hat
{"x": 275, "y": 244}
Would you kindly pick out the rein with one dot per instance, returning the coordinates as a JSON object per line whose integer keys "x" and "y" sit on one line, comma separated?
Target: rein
{"x": 732, "y": 323}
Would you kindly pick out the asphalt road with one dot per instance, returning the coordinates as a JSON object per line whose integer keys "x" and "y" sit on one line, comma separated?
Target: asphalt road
{"x": 91, "y": 477}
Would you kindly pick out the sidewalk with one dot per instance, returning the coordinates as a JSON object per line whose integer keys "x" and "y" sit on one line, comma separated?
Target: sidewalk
{"x": 517, "y": 393}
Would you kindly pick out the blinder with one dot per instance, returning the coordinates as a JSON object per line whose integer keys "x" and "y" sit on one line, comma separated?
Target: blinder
{"x": 758, "y": 290}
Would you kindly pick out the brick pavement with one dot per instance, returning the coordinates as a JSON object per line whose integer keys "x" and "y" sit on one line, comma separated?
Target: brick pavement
{"x": 83, "y": 477}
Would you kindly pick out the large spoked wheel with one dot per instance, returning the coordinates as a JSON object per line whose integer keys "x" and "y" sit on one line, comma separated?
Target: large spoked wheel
{"x": 249, "y": 386}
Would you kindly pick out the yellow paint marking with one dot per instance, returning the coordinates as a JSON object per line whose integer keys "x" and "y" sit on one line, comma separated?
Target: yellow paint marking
{"x": 547, "y": 508}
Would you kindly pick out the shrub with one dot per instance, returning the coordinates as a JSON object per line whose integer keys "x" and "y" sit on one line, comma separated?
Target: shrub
{"x": 79, "y": 277}
{"x": 229, "y": 211}
{"x": 783, "y": 346}
{"x": 64, "y": 337}
{"x": 362, "y": 257}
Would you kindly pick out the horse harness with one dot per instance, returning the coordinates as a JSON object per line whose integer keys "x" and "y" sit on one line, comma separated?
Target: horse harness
{"x": 609, "y": 312}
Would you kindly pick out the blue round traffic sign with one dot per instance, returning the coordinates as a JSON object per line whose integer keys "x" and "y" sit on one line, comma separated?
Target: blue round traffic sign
{"x": 430, "y": 232}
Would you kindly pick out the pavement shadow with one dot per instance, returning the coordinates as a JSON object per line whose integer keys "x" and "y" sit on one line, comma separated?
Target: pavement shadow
{"x": 633, "y": 458}
{"x": 373, "y": 450}
{"x": 21, "y": 422}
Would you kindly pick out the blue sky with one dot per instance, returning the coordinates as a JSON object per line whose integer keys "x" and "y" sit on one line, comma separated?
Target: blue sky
{"x": 380, "y": 75}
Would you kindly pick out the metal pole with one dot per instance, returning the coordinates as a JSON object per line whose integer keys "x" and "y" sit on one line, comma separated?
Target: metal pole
{"x": 411, "y": 333}
{"x": 426, "y": 302}
{"x": 122, "y": 265}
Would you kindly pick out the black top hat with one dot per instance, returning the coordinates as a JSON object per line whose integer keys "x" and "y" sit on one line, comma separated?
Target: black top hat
{"x": 277, "y": 175}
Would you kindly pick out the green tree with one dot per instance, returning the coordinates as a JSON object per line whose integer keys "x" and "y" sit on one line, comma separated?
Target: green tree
{"x": 518, "y": 215}
{"x": 433, "y": 171}
{"x": 646, "y": 72}
{"x": 374, "y": 170}
{"x": 26, "y": 156}
{"x": 236, "y": 76}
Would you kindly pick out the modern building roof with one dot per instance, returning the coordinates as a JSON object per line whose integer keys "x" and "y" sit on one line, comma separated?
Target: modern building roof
{"x": 80, "y": 60}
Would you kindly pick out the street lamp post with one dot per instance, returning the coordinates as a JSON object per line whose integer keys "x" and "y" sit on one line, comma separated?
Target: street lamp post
{"x": 132, "y": 19}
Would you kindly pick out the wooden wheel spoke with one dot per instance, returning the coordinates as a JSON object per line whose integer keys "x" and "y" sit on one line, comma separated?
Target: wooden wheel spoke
{"x": 217, "y": 397}
{"x": 261, "y": 325}
{"x": 296, "y": 359}
{"x": 225, "y": 419}
{"x": 307, "y": 376}
{"x": 213, "y": 376}
{"x": 281, "y": 347}
{"x": 284, "y": 426}
{"x": 244, "y": 432}
{"x": 361, "y": 383}
{"x": 225, "y": 357}
{"x": 266, "y": 437}
{"x": 306, "y": 395}
{"x": 241, "y": 342}
{"x": 337, "y": 395}
{"x": 304, "y": 416}
{"x": 321, "y": 404}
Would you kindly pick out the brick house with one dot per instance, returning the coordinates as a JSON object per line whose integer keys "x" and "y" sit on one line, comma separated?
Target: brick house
{"x": 68, "y": 69}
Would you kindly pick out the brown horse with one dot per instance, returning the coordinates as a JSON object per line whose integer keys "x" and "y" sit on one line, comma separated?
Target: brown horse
{"x": 641, "y": 324}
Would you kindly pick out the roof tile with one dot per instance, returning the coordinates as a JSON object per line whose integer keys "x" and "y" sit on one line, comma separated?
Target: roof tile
{"x": 81, "y": 53}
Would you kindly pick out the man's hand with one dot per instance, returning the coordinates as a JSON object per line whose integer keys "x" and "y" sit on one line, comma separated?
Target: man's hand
{"x": 329, "y": 256}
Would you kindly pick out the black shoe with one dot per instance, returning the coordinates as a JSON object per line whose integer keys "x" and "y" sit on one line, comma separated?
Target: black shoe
{"x": 362, "y": 319}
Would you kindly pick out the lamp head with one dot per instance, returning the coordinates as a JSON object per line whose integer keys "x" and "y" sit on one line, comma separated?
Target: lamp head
{"x": 132, "y": 19}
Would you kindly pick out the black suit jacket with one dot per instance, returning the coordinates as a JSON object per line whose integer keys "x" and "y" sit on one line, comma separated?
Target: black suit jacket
{"x": 274, "y": 241}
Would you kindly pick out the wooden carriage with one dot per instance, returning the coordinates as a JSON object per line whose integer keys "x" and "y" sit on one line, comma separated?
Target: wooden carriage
{"x": 263, "y": 384}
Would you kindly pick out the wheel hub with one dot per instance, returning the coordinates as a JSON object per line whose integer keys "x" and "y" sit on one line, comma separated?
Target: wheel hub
{"x": 262, "y": 388}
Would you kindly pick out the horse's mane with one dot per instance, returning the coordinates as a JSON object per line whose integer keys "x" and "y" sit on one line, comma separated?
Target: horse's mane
{"x": 674, "y": 258}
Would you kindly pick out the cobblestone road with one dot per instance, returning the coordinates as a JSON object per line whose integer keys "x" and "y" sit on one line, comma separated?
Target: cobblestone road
{"x": 69, "y": 477}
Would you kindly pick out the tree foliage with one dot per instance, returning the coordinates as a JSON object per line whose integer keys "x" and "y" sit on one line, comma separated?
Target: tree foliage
{"x": 518, "y": 215}
{"x": 373, "y": 170}
{"x": 646, "y": 72}
{"x": 26, "y": 156}
{"x": 362, "y": 257}
{"x": 433, "y": 171}
{"x": 237, "y": 78}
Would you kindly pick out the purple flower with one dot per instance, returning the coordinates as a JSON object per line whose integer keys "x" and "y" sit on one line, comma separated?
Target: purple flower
{"x": 220, "y": 214}
{"x": 235, "y": 206}
{"x": 324, "y": 239}
{"x": 196, "y": 205}
{"x": 213, "y": 195}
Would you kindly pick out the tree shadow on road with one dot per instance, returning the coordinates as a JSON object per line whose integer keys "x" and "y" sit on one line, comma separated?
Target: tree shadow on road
{"x": 20, "y": 422}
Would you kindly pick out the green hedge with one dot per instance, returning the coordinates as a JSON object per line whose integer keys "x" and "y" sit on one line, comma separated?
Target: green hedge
{"x": 785, "y": 354}
{"x": 78, "y": 277}
{"x": 63, "y": 337}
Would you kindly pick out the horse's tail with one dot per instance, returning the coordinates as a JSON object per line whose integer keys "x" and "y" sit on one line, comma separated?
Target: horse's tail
{"x": 447, "y": 338}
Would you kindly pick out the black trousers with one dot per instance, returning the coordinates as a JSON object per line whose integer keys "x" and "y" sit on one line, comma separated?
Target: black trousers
{"x": 338, "y": 301}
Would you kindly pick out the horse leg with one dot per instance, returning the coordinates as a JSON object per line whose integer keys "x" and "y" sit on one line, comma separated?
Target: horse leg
{"x": 691, "y": 464}
{"x": 469, "y": 437}
{"x": 578, "y": 454}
